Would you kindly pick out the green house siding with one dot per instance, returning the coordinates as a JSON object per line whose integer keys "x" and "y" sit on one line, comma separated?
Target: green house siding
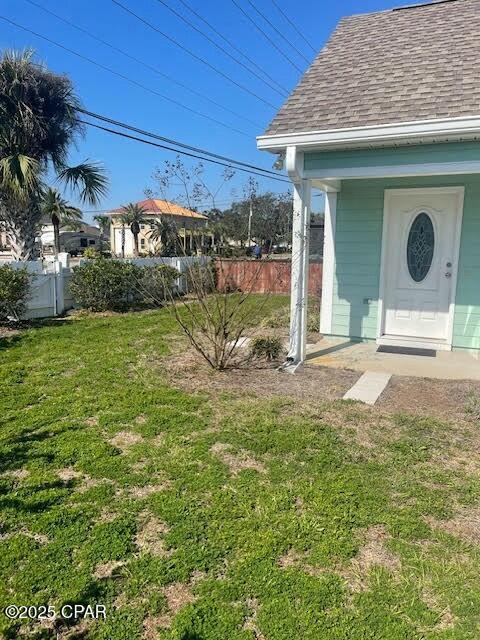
{"x": 394, "y": 156}
{"x": 358, "y": 251}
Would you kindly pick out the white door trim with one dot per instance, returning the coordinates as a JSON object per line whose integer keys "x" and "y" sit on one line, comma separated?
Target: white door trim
{"x": 459, "y": 192}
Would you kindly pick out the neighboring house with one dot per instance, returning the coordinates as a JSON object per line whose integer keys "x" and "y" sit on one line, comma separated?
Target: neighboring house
{"x": 73, "y": 241}
{"x": 387, "y": 121}
{"x": 191, "y": 227}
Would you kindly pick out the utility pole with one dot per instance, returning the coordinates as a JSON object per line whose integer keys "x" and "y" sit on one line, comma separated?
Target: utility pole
{"x": 250, "y": 215}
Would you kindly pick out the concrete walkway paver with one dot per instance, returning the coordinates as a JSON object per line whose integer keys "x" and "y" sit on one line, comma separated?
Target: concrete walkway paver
{"x": 368, "y": 387}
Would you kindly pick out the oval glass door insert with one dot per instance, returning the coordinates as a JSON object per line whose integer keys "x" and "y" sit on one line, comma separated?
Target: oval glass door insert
{"x": 420, "y": 246}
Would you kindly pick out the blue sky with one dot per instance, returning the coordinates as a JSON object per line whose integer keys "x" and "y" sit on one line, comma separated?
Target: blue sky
{"x": 130, "y": 164}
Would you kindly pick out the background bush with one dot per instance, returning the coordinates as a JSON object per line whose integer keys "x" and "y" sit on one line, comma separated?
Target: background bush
{"x": 14, "y": 290}
{"x": 201, "y": 277}
{"x": 157, "y": 282}
{"x": 112, "y": 285}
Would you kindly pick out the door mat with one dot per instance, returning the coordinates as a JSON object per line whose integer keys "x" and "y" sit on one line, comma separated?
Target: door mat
{"x": 407, "y": 351}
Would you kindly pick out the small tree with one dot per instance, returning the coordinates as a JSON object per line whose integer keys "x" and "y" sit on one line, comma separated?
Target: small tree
{"x": 133, "y": 216}
{"x": 165, "y": 233}
{"x": 61, "y": 213}
{"x": 213, "y": 320}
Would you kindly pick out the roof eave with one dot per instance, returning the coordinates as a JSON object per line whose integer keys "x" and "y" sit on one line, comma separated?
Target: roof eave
{"x": 399, "y": 133}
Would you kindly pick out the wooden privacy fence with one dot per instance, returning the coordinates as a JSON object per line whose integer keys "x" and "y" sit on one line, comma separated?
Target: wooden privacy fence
{"x": 263, "y": 276}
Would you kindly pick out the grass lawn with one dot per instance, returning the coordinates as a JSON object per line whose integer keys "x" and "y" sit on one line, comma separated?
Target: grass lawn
{"x": 197, "y": 516}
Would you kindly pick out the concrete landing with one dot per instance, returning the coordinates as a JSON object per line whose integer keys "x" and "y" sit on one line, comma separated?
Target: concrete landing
{"x": 363, "y": 356}
{"x": 368, "y": 387}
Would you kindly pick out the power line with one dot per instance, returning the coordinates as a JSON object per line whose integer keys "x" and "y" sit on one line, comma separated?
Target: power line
{"x": 272, "y": 26}
{"x": 219, "y": 47}
{"x": 265, "y": 35}
{"x": 194, "y": 55}
{"x": 121, "y": 75}
{"x": 176, "y": 143}
{"x": 232, "y": 45}
{"x": 294, "y": 26}
{"x": 178, "y": 151}
{"x": 141, "y": 62}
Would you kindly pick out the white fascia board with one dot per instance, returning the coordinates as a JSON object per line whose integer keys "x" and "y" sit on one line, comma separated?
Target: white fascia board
{"x": 372, "y": 135}
{"x": 394, "y": 171}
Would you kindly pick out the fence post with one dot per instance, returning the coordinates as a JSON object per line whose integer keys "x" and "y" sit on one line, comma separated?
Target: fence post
{"x": 58, "y": 289}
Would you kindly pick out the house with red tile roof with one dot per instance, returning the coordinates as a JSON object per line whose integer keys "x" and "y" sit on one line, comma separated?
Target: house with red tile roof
{"x": 191, "y": 226}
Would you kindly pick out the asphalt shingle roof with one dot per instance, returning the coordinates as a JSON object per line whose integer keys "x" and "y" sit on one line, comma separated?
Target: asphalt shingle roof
{"x": 401, "y": 65}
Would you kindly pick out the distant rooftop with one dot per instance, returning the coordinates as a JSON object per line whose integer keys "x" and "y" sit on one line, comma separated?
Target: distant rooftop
{"x": 417, "y": 62}
{"x": 153, "y": 206}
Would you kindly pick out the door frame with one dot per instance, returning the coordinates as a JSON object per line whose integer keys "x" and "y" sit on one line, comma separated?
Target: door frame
{"x": 443, "y": 345}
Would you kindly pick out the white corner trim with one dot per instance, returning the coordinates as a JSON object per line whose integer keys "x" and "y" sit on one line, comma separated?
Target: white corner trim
{"x": 395, "y": 171}
{"x": 328, "y": 274}
{"x": 456, "y": 262}
{"x": 371, "y": 134}
{"x": 294, "y": 164}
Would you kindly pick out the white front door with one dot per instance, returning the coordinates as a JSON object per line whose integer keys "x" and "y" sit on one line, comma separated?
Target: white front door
{"x": 419, "y": 263}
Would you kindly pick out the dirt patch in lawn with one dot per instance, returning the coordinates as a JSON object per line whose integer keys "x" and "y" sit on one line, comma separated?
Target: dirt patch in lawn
{"x": 291, "y": 559}
{"x": 250, "y": 623}
{"x": 177, "y": 595}
{"x": 107, "y": 570}
{"x": 464, "y": 525}
{"x": 189, "y": 372}
{"x": 373, "y": 553}
{"x": 138, "y": 492}
{"x": 236, "y": 462}
{"x": 68, "y": 474}
{"x": 16, "y": 474}
{"x": 123, "y": 440}
{"x": 442, "y": 399}
{"x": 9, "y": 332}
{"x": 446, "y": 618}
{"x": 149, "y": 537}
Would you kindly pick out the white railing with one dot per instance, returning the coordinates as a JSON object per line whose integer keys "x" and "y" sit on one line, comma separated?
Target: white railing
{"x": 49, "y": 288}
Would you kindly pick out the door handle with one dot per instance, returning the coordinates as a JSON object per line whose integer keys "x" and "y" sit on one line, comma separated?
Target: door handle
{"x": 448, "y": 274}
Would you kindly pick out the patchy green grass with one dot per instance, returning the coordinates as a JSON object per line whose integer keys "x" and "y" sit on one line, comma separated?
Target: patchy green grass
{"x": 220, "y": 518}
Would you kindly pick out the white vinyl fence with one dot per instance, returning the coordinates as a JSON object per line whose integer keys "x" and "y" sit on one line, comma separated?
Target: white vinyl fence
{"x": 49, "y": 291}
{"x": 181, "y": 264}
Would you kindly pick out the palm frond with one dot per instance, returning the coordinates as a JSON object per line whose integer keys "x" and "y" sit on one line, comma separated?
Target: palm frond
{"x": 19, "y": 174}
{"x": 87, "y": 180}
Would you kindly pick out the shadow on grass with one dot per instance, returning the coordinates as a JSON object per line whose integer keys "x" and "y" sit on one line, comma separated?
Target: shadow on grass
{"x": 9, "y": 341}
{"x": 21, "y": 449}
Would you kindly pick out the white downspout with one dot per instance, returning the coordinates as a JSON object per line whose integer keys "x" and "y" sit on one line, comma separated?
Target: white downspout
{"x": 300, "y": 260}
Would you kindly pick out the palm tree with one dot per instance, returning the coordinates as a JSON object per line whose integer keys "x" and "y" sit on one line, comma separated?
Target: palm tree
{"x": 104, "y": 224}
{"x": 38, "y": 126}
{"x": 133, "y": 216}
{"x": 165, "y": 231}
{"x": 61, "y": 213}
